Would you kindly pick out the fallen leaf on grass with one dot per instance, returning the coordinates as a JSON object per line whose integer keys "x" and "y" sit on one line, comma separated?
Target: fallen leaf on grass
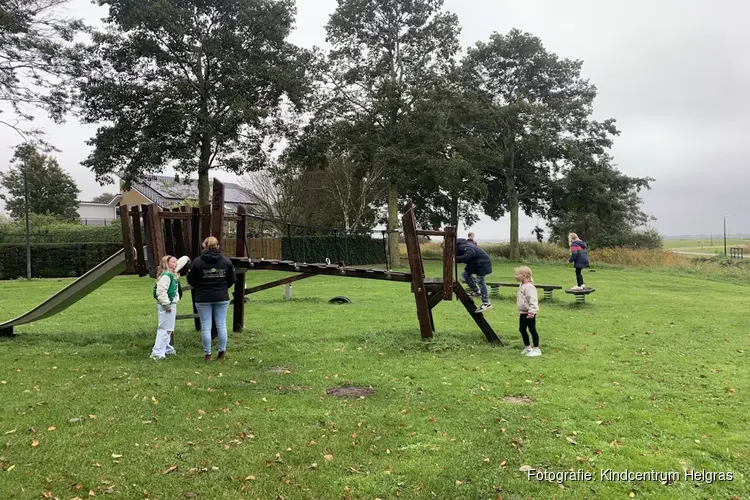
{"x": 615, "y": 443}
{"x": 115, "y": 455}
{"x": 11, "y": 431}
{"x": 92, "y": 417}
{"x": 313, "y": 465}
{"x": 171, "y": 469}
{"x": 311, "y": 443}
{"x": 486, "y": 460}
{"x": 35, "y": 443}
{"x": 51, "y": 428}
{"x": 328, "y": 457}
{"x": 250, "y": 478}
{"x": 525, "y": 468}
{"x": 458, "y": 483}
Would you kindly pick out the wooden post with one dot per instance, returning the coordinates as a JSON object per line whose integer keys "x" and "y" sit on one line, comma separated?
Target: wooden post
{"x": 205, "y": 222}
{"x": 127, "y": 240}
{"x": 417, "y": 272}
{"x": 180, "y": 245}
{"x": 239, "y": 287}
{"x": 195, "y": 252}
{"x": 168, "y": 236}
{"x": 449, "y": 255}
{"x": 156, "y": 234}
{"x": 217, "y": 210}
{"x": 150, "y": 255}
{"x": 186, "y": 233}
{"x": 138, "y": 237}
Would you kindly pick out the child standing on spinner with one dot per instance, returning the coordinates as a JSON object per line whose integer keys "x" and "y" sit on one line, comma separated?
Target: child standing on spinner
{"x": 528, "y": 307}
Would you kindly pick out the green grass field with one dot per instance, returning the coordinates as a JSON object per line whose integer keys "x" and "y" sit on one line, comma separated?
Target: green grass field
{"x": 650, "y": 375}
{"x": 715, "y": 245}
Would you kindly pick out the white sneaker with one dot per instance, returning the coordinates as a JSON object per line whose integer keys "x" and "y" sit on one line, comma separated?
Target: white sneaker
{"x": 534, "y": 351}
{"x": 171, "y": 351}
{"x": 482, "y": 308}
{"x": 526, "y": 350}
{"x": 157, "y": 357}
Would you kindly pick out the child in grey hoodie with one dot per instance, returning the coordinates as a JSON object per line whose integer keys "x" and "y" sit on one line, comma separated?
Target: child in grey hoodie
{"x": 528, "y": 306}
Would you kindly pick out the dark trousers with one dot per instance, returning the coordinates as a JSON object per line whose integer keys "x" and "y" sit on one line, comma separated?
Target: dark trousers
{"x": 530, "y": 323}
{"x": 579, "y": 276}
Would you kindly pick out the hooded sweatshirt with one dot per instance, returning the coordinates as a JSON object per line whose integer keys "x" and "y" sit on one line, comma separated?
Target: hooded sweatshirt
{"x": 578, "y": 254}
{"x": 211, "y": 275}
{"x": 477, "y": 261}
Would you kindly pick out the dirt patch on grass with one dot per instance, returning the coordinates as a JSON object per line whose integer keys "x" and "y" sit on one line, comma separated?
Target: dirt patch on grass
{"x": 517, "y": 400}
{"x": 350, "y": 392}
{"x": 280, "y": 369}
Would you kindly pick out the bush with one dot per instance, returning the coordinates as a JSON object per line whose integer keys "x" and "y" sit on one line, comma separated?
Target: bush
{"x": 46, "y": 229}
{"x": 650, "y": 239}
{"x": 501, "y": 251}
{"x": 354, "y": 250}
{"x": 53, "y": 260}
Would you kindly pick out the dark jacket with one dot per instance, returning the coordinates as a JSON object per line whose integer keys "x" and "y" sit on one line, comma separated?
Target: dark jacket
{"x": 477, "y": 261}
{"x": 211, "y": 275}
{"x": 578, "y": 254}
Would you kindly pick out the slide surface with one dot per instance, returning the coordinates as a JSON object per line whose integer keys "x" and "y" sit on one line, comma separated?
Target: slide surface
{"x": 87, "y": 283}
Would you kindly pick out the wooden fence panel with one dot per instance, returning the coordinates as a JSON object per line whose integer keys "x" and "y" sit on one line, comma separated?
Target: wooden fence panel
{"x": 270, "y": 249}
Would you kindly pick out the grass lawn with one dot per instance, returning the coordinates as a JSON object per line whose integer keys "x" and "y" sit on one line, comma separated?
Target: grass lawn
{"x": 651, "y": 374}
{"x": 715, "y": 245}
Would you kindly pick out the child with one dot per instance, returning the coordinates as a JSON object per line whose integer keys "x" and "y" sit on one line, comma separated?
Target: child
{"x": 471, "y": 240}
{"x": 167, "y": 292}
{"x": 528, "y": 306}
{"x": 579, "y": 257}
{"x": 477, "y": 263}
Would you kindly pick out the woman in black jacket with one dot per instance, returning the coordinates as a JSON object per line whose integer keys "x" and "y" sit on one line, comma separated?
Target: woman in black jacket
{"x": 211, "y": 275}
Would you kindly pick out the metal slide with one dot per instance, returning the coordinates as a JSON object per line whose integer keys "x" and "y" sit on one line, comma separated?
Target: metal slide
{"x": 96, "y": 277}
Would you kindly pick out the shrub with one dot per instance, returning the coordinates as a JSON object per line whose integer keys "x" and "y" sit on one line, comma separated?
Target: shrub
{"x": 46, "y": 229}
{"x": 501, "y": 251}
{"x": 649, "y": 238}
{"x": 54, "y": 260}
{"x": 354, "y": 250}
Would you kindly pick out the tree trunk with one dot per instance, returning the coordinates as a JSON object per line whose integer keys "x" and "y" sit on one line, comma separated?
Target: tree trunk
{"x": 204, "y": 186}
{"x": 393, "y": 246}
{"x": 454, "y": 211}
{"x": 515, "y": 250}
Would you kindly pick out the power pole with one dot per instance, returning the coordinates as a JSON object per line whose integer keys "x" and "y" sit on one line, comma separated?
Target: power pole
{"x": 26, "y": 209}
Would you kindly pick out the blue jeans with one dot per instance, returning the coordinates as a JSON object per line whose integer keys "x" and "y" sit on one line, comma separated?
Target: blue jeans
{"x": 210, "y": 312}
{"x": 469, "y": 279}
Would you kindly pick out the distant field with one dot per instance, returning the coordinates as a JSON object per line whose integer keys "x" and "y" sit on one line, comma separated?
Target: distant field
{"x": 706, "y": 245}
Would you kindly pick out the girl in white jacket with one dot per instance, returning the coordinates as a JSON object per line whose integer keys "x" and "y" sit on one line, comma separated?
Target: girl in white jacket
{"x": 167, "y": 293}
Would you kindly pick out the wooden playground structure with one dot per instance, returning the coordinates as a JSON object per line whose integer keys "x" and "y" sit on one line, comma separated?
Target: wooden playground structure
{"x": 180, "y": 232}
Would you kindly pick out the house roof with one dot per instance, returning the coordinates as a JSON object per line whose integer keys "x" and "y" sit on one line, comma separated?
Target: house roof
{"x": 167, "y": 191}
{"x": 114, "y": 199}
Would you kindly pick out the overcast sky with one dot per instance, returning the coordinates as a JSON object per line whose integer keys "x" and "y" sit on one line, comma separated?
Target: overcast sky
{"x": 674, "y": 73}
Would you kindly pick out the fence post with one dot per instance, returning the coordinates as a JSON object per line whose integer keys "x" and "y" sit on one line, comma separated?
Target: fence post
{"x": 239, "y": 286}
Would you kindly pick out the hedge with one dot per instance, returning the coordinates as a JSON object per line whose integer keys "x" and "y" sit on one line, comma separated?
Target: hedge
{"x": 55, "y": 260}
{"x": 63, "y": 233}
{"x": 354, "y": 250}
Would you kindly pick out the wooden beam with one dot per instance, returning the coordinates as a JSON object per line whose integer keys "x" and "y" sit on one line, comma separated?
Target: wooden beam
{"x": 138, "y": 237}
{"x": 273, "y": 284}
{"x": 217, "y": 210}
{"x": 427, "y": 232}
{"x": 239, "y": 286}
{"x": 180, "y": 244}
{"x": 317, "y": 269}
{"x": 449, "y": 256}
{"x": 127, "y": 240}
{"x": 417, "y": 272}
{"x": 435, "y": 298}
{"x": 186, "y": 223}
{"x": 489, "y": 333}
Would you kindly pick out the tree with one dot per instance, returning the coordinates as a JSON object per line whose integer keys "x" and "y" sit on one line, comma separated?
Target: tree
{"x": 51, "y": 190}
{"x": 104, "y": 198}
{"x": 444, "y": 179}
{"x": 34, "y": 50}
{"x": 601, "y": 204}
{"x": 385, "y": 55}
{"x": 195, "y": 83}
{"x": 533, "y": 102}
